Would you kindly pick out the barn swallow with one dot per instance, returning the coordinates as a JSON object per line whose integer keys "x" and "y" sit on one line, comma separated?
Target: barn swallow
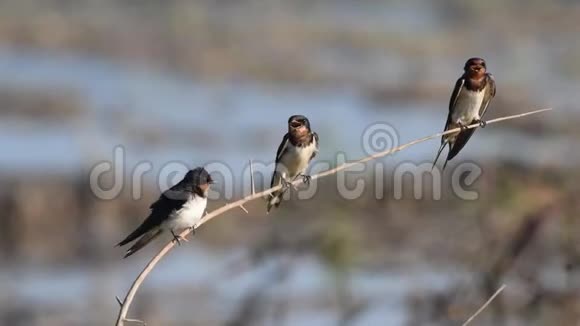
{"x": 177, "y": 209}
{"x": 298, "y": 148}
{"x": 470, "y": 98}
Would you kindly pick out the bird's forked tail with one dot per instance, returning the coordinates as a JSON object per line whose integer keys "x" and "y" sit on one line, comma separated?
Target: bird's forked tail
{"x": 443, "y": 143}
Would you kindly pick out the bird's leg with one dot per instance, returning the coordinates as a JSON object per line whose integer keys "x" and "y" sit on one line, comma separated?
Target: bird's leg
{"x": 482, "y": 123}
{"x": 285, "y": 183}
{"x": 178, "y": 238}
{"x": 305, "y": 178}
{"x": 462, "y": 126}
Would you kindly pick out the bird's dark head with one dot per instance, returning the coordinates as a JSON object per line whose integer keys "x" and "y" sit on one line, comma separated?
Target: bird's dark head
{"x": 298, "y": 126}
{"x": 199, "y": 180}
{"x": 475, "y": 67}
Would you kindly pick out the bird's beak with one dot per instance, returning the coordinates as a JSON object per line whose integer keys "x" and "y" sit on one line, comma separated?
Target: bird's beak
{"x": 295, "y": 124}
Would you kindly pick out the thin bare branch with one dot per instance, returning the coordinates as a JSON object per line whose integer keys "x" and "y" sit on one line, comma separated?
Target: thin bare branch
{"x": 136, "y": 321}
{"x": 484, "y": 305}
{"x": 149, "y": 267}
{"x": 252, "y": 178}
{"x": 244, "y": 209}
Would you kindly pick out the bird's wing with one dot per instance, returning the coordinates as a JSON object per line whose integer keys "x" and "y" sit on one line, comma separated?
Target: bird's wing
{"x": 315, "y": 138}
{"x": 455, "y": 94}
{"x": 452, "y": 101}
{"x": 282, "y": 147}
{"x": 462, "y": 138}
{"x": 281, "y": 150}
{"x": 460, "y": 142}
{"x": 160, "y": 210}
{"x": 489, "y": 94}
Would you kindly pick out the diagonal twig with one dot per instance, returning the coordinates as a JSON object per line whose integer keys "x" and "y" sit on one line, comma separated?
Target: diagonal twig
{"x": 136, "y": 321}
{"x": 252, "y": 178}
{"x": 484, "y": 305}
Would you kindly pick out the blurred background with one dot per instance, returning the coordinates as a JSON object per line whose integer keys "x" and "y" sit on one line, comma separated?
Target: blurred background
{"x": 215, "y": 81}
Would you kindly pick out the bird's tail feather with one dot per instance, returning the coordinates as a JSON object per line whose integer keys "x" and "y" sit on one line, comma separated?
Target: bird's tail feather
{"x": 443, "y": 143}
{"x": 444, "y": 165}
{"x": 143, "y": 241}
{"x": 142, "y": 229}
{"x": 274, "y": 200}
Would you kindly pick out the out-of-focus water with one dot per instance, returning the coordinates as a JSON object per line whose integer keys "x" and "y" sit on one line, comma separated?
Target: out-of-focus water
{"x": 201, "y": 269}
{"x": 229, "y": 123}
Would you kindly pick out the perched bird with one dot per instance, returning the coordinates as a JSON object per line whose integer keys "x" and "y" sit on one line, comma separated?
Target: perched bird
{"x": 470, "y": 98}
{"x": 298, "y": 147}
{"x": 177, "y": 209}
